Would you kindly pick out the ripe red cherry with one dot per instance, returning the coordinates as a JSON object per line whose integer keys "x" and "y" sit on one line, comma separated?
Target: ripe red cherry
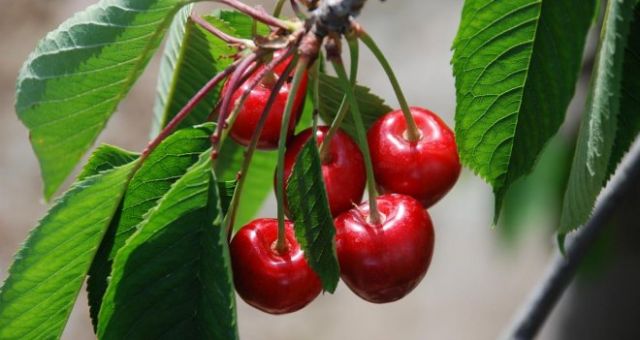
{"x": 247, "y": 119}
{"x": 383, "y": 263}
{"x": 425, "y": 169}
{"x": 343, "y": 169}
{"x": 274, "y": 282}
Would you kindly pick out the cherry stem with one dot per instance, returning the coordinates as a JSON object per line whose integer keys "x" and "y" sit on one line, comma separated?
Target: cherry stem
{"x": 242, "y": 175}
{"x": 413, "y": 133}
{"x": 229, "y": 39}
{"x": 257, "y": 14}
{"x": 297, "y": 11}
{"x": 184, "y": 112}
{"x": 374, "y": 215}
{"x": 354, "y": 53}
{"x": 301, "y": 67}
{"x": 277, "y": 10}
{"x": 234, "y": 81}
{"x": 315, "y": 90}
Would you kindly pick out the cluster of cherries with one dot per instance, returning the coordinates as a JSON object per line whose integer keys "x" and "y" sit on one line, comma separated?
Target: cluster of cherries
{"x": 381, "y": 261}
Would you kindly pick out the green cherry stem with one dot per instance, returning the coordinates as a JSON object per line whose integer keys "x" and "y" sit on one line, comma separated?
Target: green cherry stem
{"x": 354, "y": 53}
{"x": 374, "y": 215}
{"x": 229, "y": 220}
{"x": 277, "y": 10}
{"x": 297, "y": 11}
{"x": 301, "y": 67}
{"x": 413, "y": 133}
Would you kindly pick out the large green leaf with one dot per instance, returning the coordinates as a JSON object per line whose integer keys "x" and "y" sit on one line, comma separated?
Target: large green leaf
{"x": 49, "y": 269}
{"x": 311, "y": 215}
{"x": 172, "y": 279}
{"x": 259, "y": 180}
{"x": 371, "y": 106}
{"x": 72, "y": 83}
{"x": 516, "y": 64}
{"x": 590, "y": 166}
{"x": 191, "y": 58}
{"x": 629, "y": 113}
{"x": 164, "y": 166}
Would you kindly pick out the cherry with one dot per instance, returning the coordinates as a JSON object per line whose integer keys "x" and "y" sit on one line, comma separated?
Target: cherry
{"x": 384, "y": 262}
{"x": 272, "y": 281}
{"x": 249, "y": 114}
{"x": 425, "y": 169}
{"x": 342, "y": 167}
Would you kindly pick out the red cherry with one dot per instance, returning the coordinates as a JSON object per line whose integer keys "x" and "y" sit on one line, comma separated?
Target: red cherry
{"x": 343, "y": 169}
{"x": 274, "y": 282}
{"x": 247, "y": 119}
{"x": 383, "y": 263}
{"x": 425, "y": 169}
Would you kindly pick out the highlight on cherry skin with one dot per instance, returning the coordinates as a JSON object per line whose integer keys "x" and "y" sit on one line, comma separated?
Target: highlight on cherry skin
{"x": 248, "y": 116}
{"x": 425, "y": 169}
{"x": 385, "y": 262}
{"x": 343, "y": 168}
{"x": 267, "y": 279}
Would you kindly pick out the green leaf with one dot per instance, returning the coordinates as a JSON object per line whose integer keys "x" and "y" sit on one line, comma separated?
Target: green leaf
{"x": 597, "y": 134}
{"x": 106, "y": 157}
{"x": 164, "y": 166}
{"x": 516, "y": 64}
{"x": 172, "y": 278}
{"x": 72, "y": 83}
{"x": 629, "y": 113}
{"x": 192, "y": 56}
{"x": 372, "y": 107}
{"x": 313, "y": 223}
{"x": 259, "y": 180}
{"x": 48, "y": 271}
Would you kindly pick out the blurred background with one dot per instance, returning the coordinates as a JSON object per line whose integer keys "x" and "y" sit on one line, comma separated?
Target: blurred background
{"x": 480, "y": 274}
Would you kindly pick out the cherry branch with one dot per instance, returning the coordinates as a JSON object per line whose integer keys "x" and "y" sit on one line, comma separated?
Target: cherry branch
{"x": 335, "y": 16}
{"x": 563, "y": 268}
